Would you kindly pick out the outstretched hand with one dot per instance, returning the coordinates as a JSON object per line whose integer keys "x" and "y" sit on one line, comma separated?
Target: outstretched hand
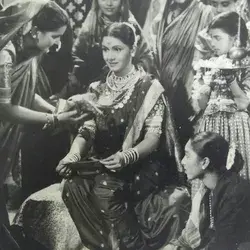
{"x": 73, "y": 117}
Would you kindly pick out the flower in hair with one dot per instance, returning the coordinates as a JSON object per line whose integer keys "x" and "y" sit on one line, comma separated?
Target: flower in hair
{"x": 231, "y": 156}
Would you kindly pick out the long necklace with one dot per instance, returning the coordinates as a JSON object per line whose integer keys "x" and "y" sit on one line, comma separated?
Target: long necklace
{"x": 210, "y": 211}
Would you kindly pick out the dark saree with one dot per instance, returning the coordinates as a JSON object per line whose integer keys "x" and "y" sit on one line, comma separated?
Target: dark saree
{"x": 18, "y": 83}
{"x": 175, "y": 52}
{"x": 133, "y": 208}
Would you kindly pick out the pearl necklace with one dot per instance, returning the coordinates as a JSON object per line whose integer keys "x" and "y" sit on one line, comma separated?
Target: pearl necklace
{"x": 119, "y": 84}
{"x": 118, "y": 90}
{"x": 210, "y": 211}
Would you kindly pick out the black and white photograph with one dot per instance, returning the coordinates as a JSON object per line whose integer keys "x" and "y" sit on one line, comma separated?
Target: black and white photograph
{"x": 125, "y": 124}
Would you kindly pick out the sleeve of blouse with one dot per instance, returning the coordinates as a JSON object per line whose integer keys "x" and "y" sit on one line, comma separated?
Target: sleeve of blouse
{"x": 5, "y": 76}
{"x": 153, "y": 123}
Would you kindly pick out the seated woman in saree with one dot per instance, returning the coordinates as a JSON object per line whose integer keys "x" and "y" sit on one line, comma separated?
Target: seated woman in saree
{"x": 23, "y": 38}
{"x": 87, "y": 53}
{"x": 219, "y": 219}
{"x": 111, "y": 199}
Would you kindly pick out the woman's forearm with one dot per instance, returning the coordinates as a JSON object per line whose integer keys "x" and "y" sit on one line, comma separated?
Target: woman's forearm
{"x": 203, "y": 100}
{"x": 241, "y": 99}
{"x": 148, "y": 145}
{"x": 40, "y": 104}
{"x": 79, "y": 146}
{"x": 17, "y": 114}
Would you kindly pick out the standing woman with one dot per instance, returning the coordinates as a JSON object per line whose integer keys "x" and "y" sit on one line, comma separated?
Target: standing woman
{"x": 23, "y": 38}
{"x": 177, "y": 32}
{"x": 221, "y": 91}
{"x": 87, "y": 52}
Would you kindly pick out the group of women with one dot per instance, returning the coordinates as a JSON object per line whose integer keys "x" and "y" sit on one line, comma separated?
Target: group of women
{"x": 122, "y": 175}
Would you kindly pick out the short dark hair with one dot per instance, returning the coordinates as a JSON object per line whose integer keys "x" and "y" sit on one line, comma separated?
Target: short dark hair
{"x": 123, "y": 32}
{"x": 50, "y": 18}
{"x": 215, "y": 147}
{"x": 228, "y": 22}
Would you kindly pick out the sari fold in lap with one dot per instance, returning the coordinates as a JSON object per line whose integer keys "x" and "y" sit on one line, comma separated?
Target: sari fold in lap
{"x": 133, "y": 205}
{"x": 116, "y": 208}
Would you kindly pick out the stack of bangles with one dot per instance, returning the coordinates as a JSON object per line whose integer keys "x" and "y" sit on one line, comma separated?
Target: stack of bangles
{"x": 52, "y": 121}
{"x": 130, "y": 156}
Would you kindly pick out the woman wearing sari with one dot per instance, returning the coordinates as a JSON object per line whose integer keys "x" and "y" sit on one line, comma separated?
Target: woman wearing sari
{"x": 122, "y": 193}
{"x": 177, "y": 32}
{"x": 28, "y": 28}
{"x": 113, "y": 206}
{"x": 219, "y": 219}
{"x": 87, "y": 54}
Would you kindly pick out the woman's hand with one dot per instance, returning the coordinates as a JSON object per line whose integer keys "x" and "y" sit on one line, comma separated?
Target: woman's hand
{"x": 114, "y": 162}
{"x": 62, "y": 167}
{"x": 54, "y": 99}
{"x": 73, "y": 117}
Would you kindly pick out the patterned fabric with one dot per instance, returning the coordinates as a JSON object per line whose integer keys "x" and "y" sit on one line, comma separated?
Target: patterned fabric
{"x": 230, "y": 122}
{"x": 234, "y": 127}
{"x": 128, "y": 199}
{"x": 77, "y": 10}
{"x": 46, "y": 219}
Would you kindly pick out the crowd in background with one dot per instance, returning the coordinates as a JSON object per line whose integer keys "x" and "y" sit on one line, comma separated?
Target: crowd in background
{"x": 158, "y": 143}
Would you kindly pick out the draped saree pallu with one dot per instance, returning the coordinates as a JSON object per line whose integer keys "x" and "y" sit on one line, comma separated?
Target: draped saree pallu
{"x": 131, "y": 208}
{"x": 17, "y": 85}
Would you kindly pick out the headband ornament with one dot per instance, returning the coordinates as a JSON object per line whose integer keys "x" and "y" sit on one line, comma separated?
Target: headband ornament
{"x": 131, "y": 26}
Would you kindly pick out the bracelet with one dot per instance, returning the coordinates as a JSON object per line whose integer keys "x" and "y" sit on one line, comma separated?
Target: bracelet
{"x": 55, "y": 120}
{"x": 49, "y": 123}
{"x": 130, "y": 156}
{"x": 73, "y": 157}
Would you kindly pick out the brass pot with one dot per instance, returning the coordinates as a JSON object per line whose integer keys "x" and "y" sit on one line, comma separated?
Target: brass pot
{"x": 237, "y": 53}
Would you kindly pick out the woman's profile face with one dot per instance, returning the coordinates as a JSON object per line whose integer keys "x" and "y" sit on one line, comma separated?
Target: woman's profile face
{"x": 221, "y": 41}
{"x": 48, "y": 38}
{"x": 109, "y": 7}
{"x": 117, "y": 55}
{"x": 192, "y": 163}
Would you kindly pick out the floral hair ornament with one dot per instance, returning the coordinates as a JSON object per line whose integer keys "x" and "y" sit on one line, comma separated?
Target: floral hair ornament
{"x": 231, "y": 156}
{"x": 131, "y": 26}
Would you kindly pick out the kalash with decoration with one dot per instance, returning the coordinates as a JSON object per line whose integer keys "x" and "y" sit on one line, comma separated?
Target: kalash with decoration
{"x": 214, "y": 76}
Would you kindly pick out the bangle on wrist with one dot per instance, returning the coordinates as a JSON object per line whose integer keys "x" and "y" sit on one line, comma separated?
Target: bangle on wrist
{"x": 49, "y": 121}
{"x": 130, "y": 156}
{"x": 73, "y": 157}
{"x": 52, "y": 121}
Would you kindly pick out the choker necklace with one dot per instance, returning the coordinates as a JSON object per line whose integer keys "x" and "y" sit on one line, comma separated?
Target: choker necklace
{"x": 120, "y": 83}
{"x": 118, "y": 90}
